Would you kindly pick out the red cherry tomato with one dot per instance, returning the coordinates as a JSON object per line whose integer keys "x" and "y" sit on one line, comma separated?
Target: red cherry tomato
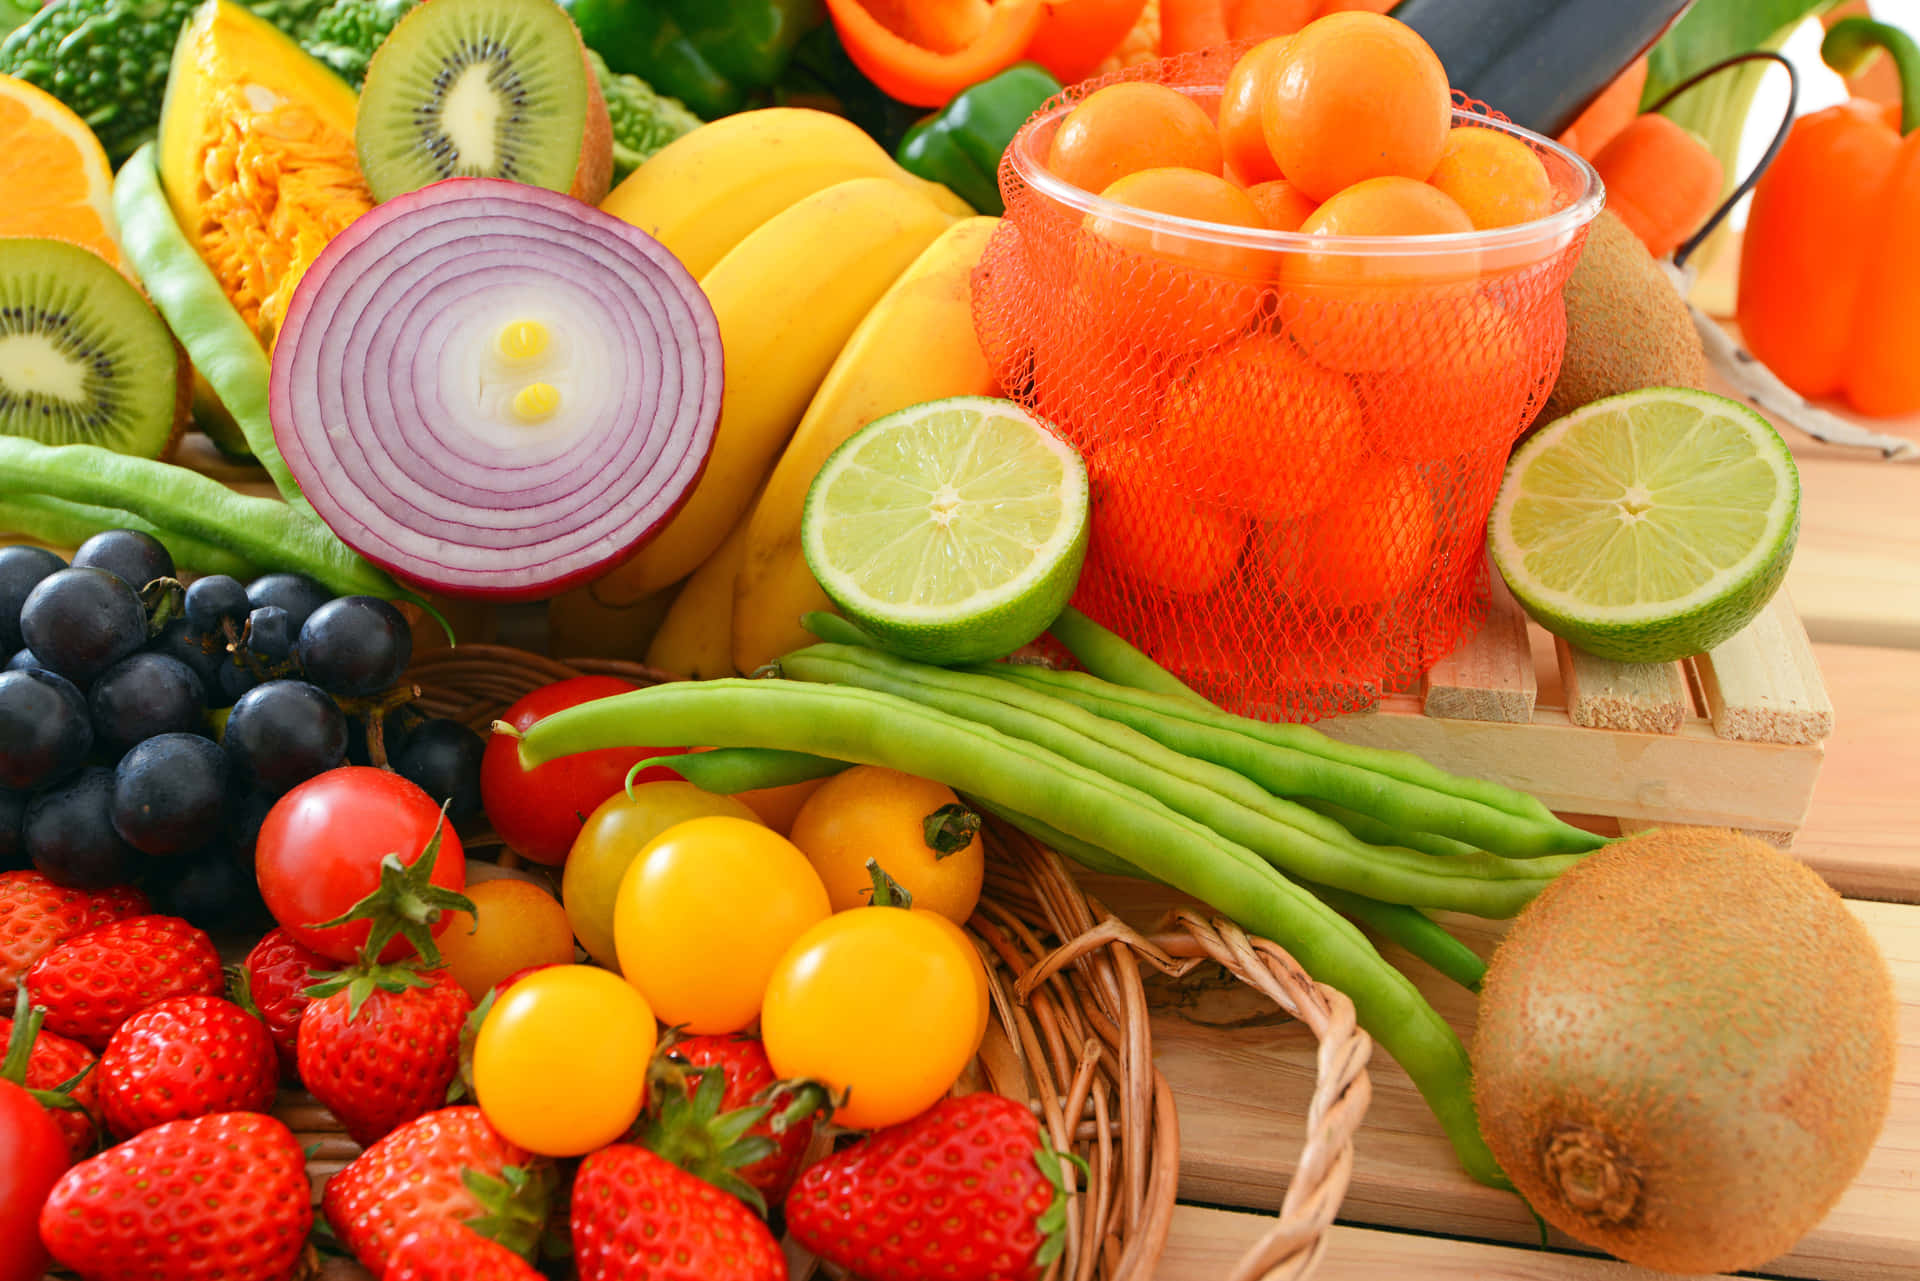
{"x": 538, "y": 812}
{"x": 35, "y": 1156}
{"x": 320, "y": 849}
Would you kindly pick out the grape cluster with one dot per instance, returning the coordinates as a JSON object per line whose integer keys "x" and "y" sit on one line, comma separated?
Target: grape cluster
{"x": 146, "y": 728}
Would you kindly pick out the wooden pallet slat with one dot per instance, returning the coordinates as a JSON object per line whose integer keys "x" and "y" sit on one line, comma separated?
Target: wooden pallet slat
{"x": 1764, "y": 685}
{"x": 1641, "y": 698}
{"x": 1490, "y": 677}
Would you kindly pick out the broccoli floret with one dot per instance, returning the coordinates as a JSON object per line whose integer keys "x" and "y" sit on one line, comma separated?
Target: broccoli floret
{"x": 106, "y": 59}
{"x": 643, "y": 121}
{"x": 345, "y": 33}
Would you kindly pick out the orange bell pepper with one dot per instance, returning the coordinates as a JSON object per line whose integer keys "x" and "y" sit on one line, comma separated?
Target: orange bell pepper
{"x": 1830, "y": 265}
{"x": 928, "y": 77}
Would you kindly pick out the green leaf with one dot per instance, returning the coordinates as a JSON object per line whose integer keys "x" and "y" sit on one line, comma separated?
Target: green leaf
{"x": 1714, "y": 29}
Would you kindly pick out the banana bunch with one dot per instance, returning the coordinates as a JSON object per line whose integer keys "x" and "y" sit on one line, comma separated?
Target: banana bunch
{"x": 841, "y": 287}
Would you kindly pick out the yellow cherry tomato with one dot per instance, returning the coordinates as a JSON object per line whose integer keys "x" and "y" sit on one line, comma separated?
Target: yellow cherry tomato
{"x": 869, "y": 812}
{"x": 516, "y": 924}
{"x": 560, "y": 1064}
{"x": 611, "y": 839}
{"x": 704, "y": 912}
{"x": 779, "y": 806}
{"x": 883, "y": 1002}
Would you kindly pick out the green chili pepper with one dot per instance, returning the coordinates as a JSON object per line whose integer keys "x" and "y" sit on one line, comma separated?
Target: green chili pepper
{"x": 712, "y": 55}
{"x": 879, "y": 729}
{"x": 198, "y": 311}
{"x": 727, "y": 770}
{"x": 962, "y": 145}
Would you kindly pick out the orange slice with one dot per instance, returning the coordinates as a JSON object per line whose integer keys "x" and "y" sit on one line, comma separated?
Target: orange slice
{"x": 55, "y": 173}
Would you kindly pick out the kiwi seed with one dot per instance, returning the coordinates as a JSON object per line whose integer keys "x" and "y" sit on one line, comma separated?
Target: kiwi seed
{"x": 83, "y": 359}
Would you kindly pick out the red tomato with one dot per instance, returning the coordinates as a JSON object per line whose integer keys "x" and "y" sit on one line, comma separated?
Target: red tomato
{"x": 35, "y": 1156}
{"x": 538, "y": 812}
{"x": 320, "y": 848}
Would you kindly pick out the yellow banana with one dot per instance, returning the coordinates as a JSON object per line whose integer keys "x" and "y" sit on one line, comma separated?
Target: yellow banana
{"x": 916, "y": 345}
{"x": 787, "y": 299}
{"x": 692, "y": 640}
{"x": 703, "y": 194}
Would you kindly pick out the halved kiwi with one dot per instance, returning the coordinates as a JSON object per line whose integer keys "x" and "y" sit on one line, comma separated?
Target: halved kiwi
{"x": 84, "y": 360}
{"x": 488, "y": 89}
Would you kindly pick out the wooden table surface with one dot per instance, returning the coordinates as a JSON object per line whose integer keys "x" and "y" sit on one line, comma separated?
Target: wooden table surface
{"x": 1409, "y": 1212}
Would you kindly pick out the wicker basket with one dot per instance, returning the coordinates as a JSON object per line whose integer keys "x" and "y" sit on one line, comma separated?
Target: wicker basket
{"x": 1070, "y": 1034}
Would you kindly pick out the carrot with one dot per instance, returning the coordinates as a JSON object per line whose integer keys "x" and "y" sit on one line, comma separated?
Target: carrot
{"x": 1190, "y": 25}
{"x": 1611, "y": 110}
{"x": 1661, "y": 181}
{"x": 1340, "y": 6}
{"x": 1258, "y": 19}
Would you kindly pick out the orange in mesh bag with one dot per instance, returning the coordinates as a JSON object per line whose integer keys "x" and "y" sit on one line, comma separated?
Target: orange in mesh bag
{"x": 1294, "y": 441}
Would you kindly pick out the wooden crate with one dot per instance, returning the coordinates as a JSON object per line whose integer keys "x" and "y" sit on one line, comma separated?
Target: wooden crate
{"x": 1731, "y": 738}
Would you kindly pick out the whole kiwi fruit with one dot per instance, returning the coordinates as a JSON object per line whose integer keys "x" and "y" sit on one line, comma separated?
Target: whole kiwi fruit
{"x": 1685, "y": 1050}
{"x": 1627, "y": 326}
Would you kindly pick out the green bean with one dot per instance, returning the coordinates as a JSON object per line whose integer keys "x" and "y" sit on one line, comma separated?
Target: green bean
{"x": 198, "y": 311}
{"x": 1374, "y": 832}
{"x": 1111, "y": 658}
{"x": 264, "y": 531}
{"x": 868, "y": 728}
{"x": 727, "y": 770}
{"x": 1292, "y": 760}
{"x": 1411, "y": 929}
{"x": 62, "y": 524}
{"x": 1305, "y": 845}
{"x": 836, "y": 630}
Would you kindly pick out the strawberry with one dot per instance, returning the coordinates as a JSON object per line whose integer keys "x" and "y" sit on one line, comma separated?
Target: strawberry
{"x": 966, "y": 1191}
{"x": 448, "y": 1164}
{"x": 212, "y": 1198}
{"x": 445, "y": 1250}
{"x": 36, "y": 914}
{"x": 782, "y": 1130}
{"x": 276, "y": 976}
{"x": 380, "y": 1042}
{"x": 636, "y": 1215}
{"x": 56, "y": 1071}
{"x": 186, "y": 1056}
{"x": 96, "y": 980}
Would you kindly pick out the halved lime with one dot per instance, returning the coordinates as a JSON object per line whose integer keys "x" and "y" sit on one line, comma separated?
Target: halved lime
{"x": 1648, "y": 526}
{"x": 951, "y": 531}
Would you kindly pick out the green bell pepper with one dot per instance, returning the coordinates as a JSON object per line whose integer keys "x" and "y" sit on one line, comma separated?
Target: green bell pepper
{"x": 713, "y": 55}
{"x": 962, "y": 145}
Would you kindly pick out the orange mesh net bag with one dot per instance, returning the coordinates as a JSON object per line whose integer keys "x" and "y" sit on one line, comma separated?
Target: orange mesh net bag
{"x": 1294, "y": 442}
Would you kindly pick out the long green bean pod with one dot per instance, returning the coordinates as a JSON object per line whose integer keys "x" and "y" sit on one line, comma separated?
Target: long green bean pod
{"x": 1111, "y": 658}
{"x": 63, "y": 524}
{"x": 1301, "y": 843}
{"x": 1397, "y": 788}
{"x": 727, "y": 770}
{"x": 1374, "y": 832}
{"x": 1419, "y": 934}
{"x": 265, "y": 531}
{"x": 869, "y": 728}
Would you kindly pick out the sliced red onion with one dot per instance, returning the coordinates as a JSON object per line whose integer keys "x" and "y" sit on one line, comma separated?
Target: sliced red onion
{"x": 495, "y": 390}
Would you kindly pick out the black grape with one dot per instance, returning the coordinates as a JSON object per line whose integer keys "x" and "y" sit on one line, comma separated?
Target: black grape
{"x": 13, "y": 838}
{"x": 203, "y": 654}
{"x": 45, "y": 732}
{"x": 169, "y": 793}
{"x": 355, "y": 646}
{"x": 442, "y": 758}
{"x": 213, "y": 600}
{"x": 144, "y": 695}
{"x": 70, "y": 834}
{"x": 295, "y": 593}
{"x": 282, "y": 733}
{"x": 234, "y": 681}
{"x": 27, "y": 661}
{"x": 213, "y": 888}
{"x": 246, "y": 811}
{"x": 82, "y": 621}
{"x": 136, "y": 559}
{"x": 21, "y": 569}
{"x": 269, "y": 634}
